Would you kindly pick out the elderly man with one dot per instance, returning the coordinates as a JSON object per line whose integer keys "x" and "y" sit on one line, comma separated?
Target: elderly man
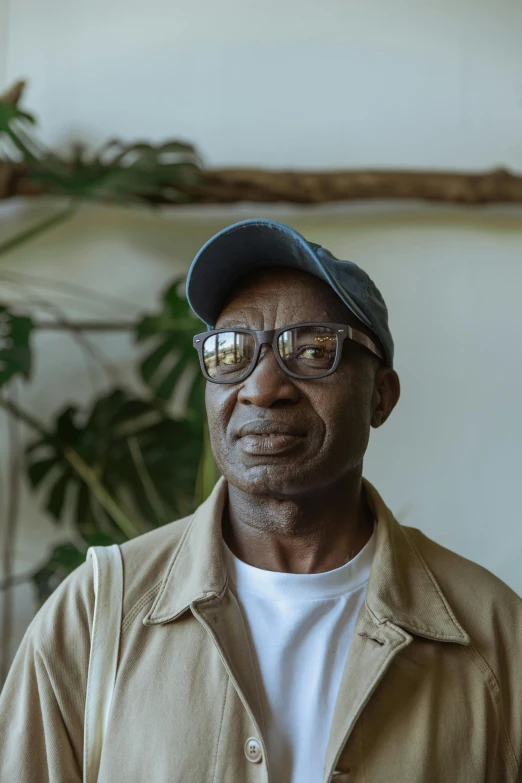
{"x": 291, "y": 630}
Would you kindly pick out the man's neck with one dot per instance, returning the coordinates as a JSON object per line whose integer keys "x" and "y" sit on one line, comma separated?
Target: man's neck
{"x": 302, "y": 535}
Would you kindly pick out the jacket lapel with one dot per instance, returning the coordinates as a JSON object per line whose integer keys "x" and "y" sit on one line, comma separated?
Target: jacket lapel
{"x": 403, "y": 599}
{"x": 196, "y": 580}
{"x": 373, "y": 648}
{"x": 223, "y": 619}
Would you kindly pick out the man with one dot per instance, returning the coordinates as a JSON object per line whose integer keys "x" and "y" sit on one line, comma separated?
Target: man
{"x": 291, "y": 630}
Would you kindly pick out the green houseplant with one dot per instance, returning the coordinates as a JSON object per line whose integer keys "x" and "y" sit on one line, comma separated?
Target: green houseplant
{"x": 123, "y": 464}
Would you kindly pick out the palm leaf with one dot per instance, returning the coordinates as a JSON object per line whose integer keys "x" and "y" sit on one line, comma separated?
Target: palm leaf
{"x": 172, "y": 354}
{"x": 10, "y": 115}
{"x": 119, "y": 173}
{"x": 122, "y": 174}
{"x": 145, "y": 459}
{"x": 15, "y": 349}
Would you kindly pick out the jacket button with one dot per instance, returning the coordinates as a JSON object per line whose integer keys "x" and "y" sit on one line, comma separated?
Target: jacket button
{"x": 253, "y": 750}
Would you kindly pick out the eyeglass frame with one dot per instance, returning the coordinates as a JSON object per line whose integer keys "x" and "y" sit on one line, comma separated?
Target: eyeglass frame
{"x": 271, "y": 337}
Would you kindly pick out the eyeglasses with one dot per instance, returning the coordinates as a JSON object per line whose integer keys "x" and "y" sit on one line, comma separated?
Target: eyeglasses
{"x": 304, "y": 351}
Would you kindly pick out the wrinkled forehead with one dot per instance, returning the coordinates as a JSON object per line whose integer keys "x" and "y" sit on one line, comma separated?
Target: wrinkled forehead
{"x": 287, "y": 295}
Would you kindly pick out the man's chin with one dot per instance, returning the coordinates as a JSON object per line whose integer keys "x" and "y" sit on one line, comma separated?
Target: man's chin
{"x": 275, "y": 480}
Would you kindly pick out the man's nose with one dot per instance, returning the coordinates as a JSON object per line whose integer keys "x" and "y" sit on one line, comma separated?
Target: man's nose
{"x": 268, "y": 384}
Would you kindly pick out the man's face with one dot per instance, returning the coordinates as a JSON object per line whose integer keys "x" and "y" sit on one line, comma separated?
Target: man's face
{"x": 314, "y": 432}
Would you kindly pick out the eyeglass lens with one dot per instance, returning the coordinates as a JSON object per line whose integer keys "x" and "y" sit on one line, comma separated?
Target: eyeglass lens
{"x": 307, "y": 351}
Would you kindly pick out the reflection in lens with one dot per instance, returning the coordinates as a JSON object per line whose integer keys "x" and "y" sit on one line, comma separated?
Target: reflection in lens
{"x": 308, "y": 350}
{"x": 227, "y": 355}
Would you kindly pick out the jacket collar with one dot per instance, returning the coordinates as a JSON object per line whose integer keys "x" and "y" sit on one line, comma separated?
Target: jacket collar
{"x": 402, "y": 589}
{"x": 196, "y": 571}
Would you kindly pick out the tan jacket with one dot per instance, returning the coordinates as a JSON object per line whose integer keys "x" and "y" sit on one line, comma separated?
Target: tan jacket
{"x": 431, "y": 692}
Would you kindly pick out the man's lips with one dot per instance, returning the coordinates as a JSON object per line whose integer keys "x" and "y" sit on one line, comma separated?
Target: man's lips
{"x": 258, "y": 427}
{"x": 259, "y": 438}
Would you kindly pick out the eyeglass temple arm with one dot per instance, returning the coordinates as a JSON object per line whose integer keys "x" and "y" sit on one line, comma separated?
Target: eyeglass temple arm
{"x": 362, "y": 339}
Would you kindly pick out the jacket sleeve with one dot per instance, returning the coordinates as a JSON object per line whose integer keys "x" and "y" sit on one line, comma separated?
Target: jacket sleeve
{"x": 43, "y": 700}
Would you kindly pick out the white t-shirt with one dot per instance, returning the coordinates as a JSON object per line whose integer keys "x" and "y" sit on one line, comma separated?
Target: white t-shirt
{"x": 300, "y": 628}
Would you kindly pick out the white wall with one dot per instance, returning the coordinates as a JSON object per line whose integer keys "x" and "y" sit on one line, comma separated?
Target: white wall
{"x": 4, "y": 29}
{"x": 305, "y": 84}
{"x": 448, "y": 460}
{"x": 281, "y": 82}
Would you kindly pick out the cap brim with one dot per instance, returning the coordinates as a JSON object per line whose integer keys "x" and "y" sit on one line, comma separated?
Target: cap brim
{"x": 236, "y": 251}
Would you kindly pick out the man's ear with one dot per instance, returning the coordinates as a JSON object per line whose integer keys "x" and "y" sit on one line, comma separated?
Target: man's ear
{"x": 387, "y": 393}
{"x": 377, "y": 419}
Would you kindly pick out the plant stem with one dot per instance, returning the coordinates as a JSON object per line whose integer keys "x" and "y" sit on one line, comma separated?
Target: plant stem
{"x": 86, "y": 326}
{"x": 98, "y": 490}
{"x": 13, "y": 581}
{"x": 13, "y": 505}
{"x": 108, "y": 326}
{"x": 22, "y": 415}
{"x": 146, "y": 480}
{"x": 75, "y": 290}
{"x": 207, "y": 470}
{"x": 39, "y": 228}
{"x": 85, "y": 472}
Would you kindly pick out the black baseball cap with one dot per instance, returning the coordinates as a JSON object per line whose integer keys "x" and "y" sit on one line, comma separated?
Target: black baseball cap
{"x": 257, "y": 243}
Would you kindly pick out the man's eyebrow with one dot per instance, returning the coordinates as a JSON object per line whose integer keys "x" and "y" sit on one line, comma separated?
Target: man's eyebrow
{"x": 237, "y": 323}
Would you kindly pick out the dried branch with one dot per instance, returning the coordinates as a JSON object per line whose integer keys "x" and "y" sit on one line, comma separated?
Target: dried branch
{"x": 155, "y": 183}
{"x": 228, "y": 186}
{"x": 301, "y": 187}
